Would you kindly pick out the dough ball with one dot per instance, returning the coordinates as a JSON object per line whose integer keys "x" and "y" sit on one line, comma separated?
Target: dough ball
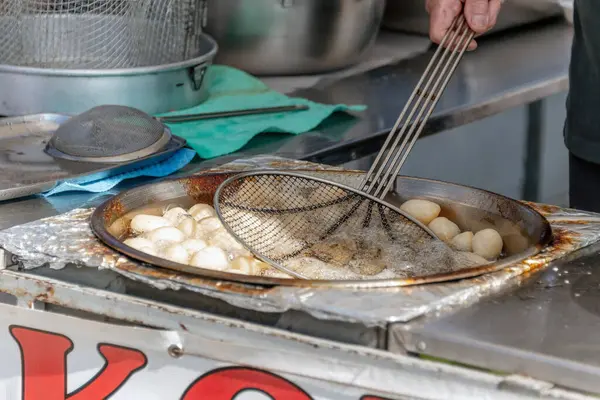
{"x": 175, "y": 215}
{"x": 201, "y": 211}
{"x": 270, "y": 225}
{"x": 488, "y": 244}
{"x": 189, "y": 227}
{"x": 193, "y": 245}
{"x": 208, "y": 225}
{"x": 167, "y": 234}
{"x": 176, "y": 253}
{"x": 462, "y": 241}
{"x": 149, "y": 250}
{"x": 143, "y": 223}
{"x": 138, "y": 243}
{"x": 223, "y": 240}
{"x": 424, "y": 211}
{"x": 444, "y": 229}
{"x": 211, "y": 258}
{"x": 245, "y": 265}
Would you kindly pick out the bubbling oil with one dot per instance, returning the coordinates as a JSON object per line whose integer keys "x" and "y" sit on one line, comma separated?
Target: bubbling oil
{"x": 368, "y": 253}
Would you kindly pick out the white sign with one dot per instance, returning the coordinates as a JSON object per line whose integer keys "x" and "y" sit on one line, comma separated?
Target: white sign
{"x": 54, "y": 357}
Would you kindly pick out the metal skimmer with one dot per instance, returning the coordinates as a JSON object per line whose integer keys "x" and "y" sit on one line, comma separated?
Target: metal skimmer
{"x": 422, "y": 102}
{"x": 283, "y": 217}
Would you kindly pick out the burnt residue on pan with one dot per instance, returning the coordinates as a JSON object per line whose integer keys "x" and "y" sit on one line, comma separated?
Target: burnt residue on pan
{"x": 203, "y": 187}
{"x": 544, "y": 209}
{"x": 114, "y": 207}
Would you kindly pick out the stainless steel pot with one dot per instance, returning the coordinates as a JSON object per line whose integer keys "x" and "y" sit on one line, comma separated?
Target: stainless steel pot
{"x": 293, "y": 37}
{"x": 154, "y": 89}
{"x": 410, "y": 15}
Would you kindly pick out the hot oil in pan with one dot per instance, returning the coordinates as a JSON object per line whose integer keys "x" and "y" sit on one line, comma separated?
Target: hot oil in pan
{"x": 356, "y": 252}
{"x": 354, "y": 257}
{"x": 120, "y": 227}
{"x": 469, "y": 218}
{"x": 348, "y": 255}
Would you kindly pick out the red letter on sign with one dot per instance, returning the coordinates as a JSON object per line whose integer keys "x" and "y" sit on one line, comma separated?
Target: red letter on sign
{"x": 44, "y": 367}
{"x": 227, "y": 383}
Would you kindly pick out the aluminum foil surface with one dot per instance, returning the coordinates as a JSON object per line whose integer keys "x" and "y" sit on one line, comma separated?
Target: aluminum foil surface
{"x": 67, "y": 238}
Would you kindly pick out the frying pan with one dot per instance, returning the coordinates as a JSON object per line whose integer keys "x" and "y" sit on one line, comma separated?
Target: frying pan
{"x": 524, "y": 231}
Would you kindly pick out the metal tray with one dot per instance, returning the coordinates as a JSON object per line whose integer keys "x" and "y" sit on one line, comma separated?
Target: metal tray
{"x": 524, "y": 230}
{"x": 26, "y": 169}
{"x": 154, "y": 90}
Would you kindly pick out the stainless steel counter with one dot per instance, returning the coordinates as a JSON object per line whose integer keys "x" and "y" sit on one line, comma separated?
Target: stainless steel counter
{"x": 546, "y": 329}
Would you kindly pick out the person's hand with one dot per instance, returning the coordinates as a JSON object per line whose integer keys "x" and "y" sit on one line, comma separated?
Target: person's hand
{"x": 481, "y": 16}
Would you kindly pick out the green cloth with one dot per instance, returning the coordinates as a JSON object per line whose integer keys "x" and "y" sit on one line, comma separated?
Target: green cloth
{"x": 232, "y": 89}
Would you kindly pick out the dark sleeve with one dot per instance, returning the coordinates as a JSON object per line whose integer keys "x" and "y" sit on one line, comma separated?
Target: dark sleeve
{"x": 582, "y": 128}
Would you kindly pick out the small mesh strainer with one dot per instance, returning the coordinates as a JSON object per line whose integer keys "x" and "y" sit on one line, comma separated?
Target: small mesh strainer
{"x": 114, "y": 134}
{"x": 283, "y": 217}
{"x": 109, "y": 134}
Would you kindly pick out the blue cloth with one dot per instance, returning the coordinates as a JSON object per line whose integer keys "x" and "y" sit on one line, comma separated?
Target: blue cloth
{"x": 164, "y": 168}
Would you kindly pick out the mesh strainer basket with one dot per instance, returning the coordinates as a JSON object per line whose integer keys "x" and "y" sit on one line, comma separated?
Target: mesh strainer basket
{"x": 109, "y": 134}
{"x": 92, "y": 34}
{"x": 286, "y": 218}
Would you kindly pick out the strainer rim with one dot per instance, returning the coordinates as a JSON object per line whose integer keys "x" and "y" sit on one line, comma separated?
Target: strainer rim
{"x": 154, "y": 148}
{"x": 205, "y": 58}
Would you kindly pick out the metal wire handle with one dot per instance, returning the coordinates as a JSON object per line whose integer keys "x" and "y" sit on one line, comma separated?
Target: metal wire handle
{"x": 380, "y": 178}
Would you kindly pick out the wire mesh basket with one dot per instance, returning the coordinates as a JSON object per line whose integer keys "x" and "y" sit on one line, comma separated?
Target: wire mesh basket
{"x": 289, "y": 220}
{"x": 99, "y": 34}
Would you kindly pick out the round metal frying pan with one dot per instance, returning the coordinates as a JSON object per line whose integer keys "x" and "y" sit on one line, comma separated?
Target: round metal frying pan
{"x": 525, "y": 231}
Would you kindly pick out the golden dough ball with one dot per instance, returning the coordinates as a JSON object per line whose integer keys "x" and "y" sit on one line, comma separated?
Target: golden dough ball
{"x": 167, "y": 234}
{"x": 463, "y": 241}
{"x": 201, "y": 211}
{"x": 143, "y": 223}
{"x": 176, "y": 253}
{"x": 488, "y": 244}
{"x": 175, "y": 215}
{"x": 444, "y": 229}
{"x": 424, "y": 211}
{"x": 210, "y": 258}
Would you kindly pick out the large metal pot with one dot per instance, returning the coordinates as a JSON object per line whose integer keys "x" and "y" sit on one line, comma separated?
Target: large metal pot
{"x": 293, "y": 37}
{"x": 153, "y": 89}
{"x": 410, "y": 15}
